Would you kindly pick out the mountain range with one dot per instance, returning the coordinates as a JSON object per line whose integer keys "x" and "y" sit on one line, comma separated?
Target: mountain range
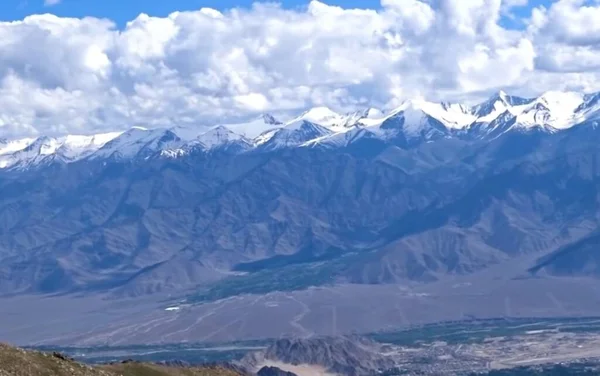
{"x": 425, "y": 193}
{"x": 413, "y": 122}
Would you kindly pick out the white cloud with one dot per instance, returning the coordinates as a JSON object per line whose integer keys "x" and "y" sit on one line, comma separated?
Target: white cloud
{"x": 567, "y": 39}
{"x": 85, "y": 75}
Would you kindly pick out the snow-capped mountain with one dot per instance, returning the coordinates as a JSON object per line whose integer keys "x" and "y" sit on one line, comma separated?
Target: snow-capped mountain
{"x": 336, "y": 122}
{"x": 550, "y": 112}
{"x": 496, "y": 105}
{"x": 589, "y": 110}
{"x": 324, "y": 117}
{"x": 411, "y": 123}
{"x": 344, "y": 139}
{"x": 414, "y": 124}
{"x": 9, "y": 150}
{"x": 256, "y": 126}
{"x": 219, "y": 138}
{"x": 138, "y": 142}
{"x": 73, "y": 146}
{"x": 451, "y": 115}
{"x": 367, "y": 117}
{"x": 295, "y": 133}
{"x": 11, "y": 146}
{"x": 31, "y": 151}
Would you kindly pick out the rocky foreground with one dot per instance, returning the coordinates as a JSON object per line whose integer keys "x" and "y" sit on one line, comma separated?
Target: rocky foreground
{"x": 352, "y": 356}
{"x": 18, "y": 362}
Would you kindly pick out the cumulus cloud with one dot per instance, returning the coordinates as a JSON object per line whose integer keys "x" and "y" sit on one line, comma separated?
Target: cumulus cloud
{"x": 202, "y": 67}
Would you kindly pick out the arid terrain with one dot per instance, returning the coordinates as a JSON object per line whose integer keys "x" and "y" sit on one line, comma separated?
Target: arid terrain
{"x": 451, "y": 348}
{"x": 18, "y": 362}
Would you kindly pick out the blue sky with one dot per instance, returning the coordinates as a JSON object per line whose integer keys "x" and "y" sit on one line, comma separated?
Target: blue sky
{"x": 122, "y": 11}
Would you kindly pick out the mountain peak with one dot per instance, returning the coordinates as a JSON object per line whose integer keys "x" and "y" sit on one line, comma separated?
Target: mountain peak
{"x": 320, "y": 111}
{"x": 218, "y": 136}
{"x": 415, "y": 118}
{"x": 294, "y": 133}
{"x": 270, "y": 119}
{"x": 220, "y": 131}
{"x": 299, "y": 124}
{"x": 563, "y": 100}
{"x": 256, "y": 126}
{"x": 364, "y": 117}
{"x": 44, "y": 145}
{"x": 321, "y": 115}
{"x": 496, "y": 105}
{"x": 451, "y": 115}
{"x": 501, "y": 95}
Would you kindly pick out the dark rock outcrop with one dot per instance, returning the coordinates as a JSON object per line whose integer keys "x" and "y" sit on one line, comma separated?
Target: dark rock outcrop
{"x": 352, "y": 356}
{"x": 274, "y": 371}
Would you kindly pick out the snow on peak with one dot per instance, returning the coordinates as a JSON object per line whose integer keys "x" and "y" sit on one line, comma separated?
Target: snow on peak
{"x": 589, "y": 109}
{"x": 451, "y": 115}
{"x": 27, "y": 151}
{"x": 507, "y": 100}
{"x": 44, "y": 145}
{"x": 34, "y": 152}
{"x": 11, "y": 146}
{"x": 330, "y": 119}
{"x": 137, "y": 139}
{"x": 188, "y": 133}
{"x": 366, "y": 117}
{"x": 561, "y": 102}
{"x": 255, "y": 127}
{"x": 417, "y": 118}
{"x": 496, "y": 105}
{"x": 298, "y": 125}
{"x": 215, "y": 138}
{"x": 343, "y": 139}
{"x": 322, "y": 116}
{"x": 294, "y": 133}
{"x": 552, "y": 109}
{"x": 218, "y": 136}
{"x": 373, "y": 113}
{"x": 77, "y": 146}
{"x": 326, "y": 117}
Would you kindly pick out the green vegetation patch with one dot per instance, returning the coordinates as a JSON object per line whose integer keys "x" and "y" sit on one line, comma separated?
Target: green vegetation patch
{"x": 476, "y": 331}
{"x": 289, "y": 278}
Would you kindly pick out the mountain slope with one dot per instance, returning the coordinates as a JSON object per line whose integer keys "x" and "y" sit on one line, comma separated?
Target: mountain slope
{"x": 137, "y": 142}
{"x": 444, "y": 208}
{"x": 292, "y": 134}
{"x": 17, "y": 362}
{"x": 24, "y": 153}
{"x": 413, "y": 197}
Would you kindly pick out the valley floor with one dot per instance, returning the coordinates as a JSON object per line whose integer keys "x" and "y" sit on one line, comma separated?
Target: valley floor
{"x": 93, "y": 321}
